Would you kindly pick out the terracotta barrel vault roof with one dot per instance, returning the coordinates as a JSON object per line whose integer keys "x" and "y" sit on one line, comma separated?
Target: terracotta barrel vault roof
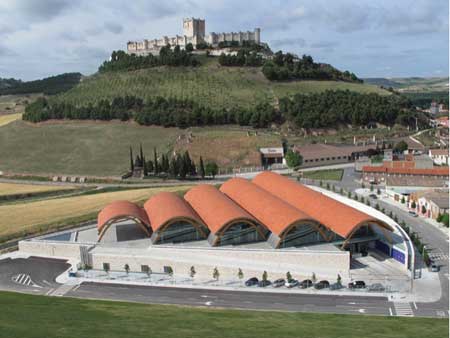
{"x": 338, "y": 217}
{"x": 121, "y": 209}
{"x": 166, "y": 207}
{"x": 216, "y": 208}
{"x": 268, "y": 209}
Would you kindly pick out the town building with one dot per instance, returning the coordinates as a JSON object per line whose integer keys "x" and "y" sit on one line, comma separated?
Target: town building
{"x": 439, "y": 156}
{"x": 272, "y": 156}
{"x": 193, "y": 33}
{"x": 430, "y": 203}
{"x": 320, "y": 154}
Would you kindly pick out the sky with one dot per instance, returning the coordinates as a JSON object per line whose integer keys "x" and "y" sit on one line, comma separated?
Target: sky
{"x": 372, "y": 38}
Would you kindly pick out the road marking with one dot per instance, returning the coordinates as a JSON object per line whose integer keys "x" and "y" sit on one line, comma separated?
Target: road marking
{"x": 440, "y": 313}
{"x": 25, "y": 280}
{"x": 362, "y": 311}
{"x": 49, "y": 292}
{"x": 438, "y": 256}
{"x": 208, "y": 303}
{"x": 403, "y": 310}
{"x": 415, "y": 305}
{"x": 390, "y": 311}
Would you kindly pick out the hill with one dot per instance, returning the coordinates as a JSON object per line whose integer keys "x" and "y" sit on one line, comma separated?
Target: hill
{"x": 49, "y": 86}
{"x": 412, "y": 84}
{"x": 8, "y": 83}
{"x": 209, "y": 85}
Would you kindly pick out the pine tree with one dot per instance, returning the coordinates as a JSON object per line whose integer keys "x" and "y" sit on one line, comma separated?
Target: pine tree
{"x": 131, "y": 160}
{"x": 202, "y": 168}
{"x": 141, "y": 154}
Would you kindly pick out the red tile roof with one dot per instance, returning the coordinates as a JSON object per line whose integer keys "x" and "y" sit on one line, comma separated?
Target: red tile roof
{"x": 168, "y": 207}
{"x": 121, "y": 209}
{"x": 338, "y": 217}
{"x": 215, "y": 208}
{"x": 275, "y": 214}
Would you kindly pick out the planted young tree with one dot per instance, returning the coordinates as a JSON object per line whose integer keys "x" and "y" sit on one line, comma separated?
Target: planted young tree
{"x": 320, "y": 183}
{"x": 212, "y": 169}
{"x": 413, "y": 205}
{"x": 314, "y": 278}
{"x": 328, "y": 186}
{"x": 216, "y": 274}
{"x": 169, "y": 271}
{"x": 424, "y": 210}
{"x": 371, "y": 187}
{"x": 106, "y": 268}
{"x": 126, "y": 267}
{"x": 201, "y": 170}
{"x": 293, "y": 159}
{"x": 403, "y": 200}
{"x": 363, "y": 186}
{"x": 349, "y": 194}
{"x": 240, "y": 274}
{"x": 288, "y": 276}
{"x": 192, "y": 272}
{"x": 264, "y": 276}
{"x": 377, "y": 206}
{"x": 341, "y": 191}
{"x": 339, "y": 280}
{"x": 378, "y": 191}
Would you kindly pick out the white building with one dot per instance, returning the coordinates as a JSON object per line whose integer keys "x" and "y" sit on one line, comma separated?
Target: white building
{"x": 439, "y": 156}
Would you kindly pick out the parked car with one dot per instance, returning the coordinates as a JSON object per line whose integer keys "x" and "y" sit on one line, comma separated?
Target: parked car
{"x": 359, "y": 284}
{"x": 291, "y": 283}
{"x": 373, "y": 196}
{"x": 323, "y": 284}
{"x": 376, "y": 287}
{"x": 434, "y": 267}
{"x": 278, "y": 283}
{"x": 306, "y": 284}
{"x": 264, "y": 283}
{"x": 252, "y": 281}
{"x": 413, "y": 214}
{"x": 335, "y": 286}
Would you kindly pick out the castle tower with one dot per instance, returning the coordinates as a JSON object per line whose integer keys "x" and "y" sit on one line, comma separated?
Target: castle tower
{"x": 194, "y": 27}
{"x": 258, "y": 35}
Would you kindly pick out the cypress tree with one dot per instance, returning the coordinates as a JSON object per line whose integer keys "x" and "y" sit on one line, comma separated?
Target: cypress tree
{"x": 144, "y": 164}
{"x": 131, "y": 160}
{"x": 202, "y": 168}
{"x": 141, "y": 154}
{"x": 155, "y": 162}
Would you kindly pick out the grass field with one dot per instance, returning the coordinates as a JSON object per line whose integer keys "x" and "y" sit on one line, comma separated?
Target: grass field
{"x": 209, "y": 85}
{"x": 229, "y": 147}
{"x": 30, "y": 316}
{"x": 14, "y": 104}
{"x": 85, "y": 148}
{"x": 36, "y": 216}
{"x": 15, "y": 189}
{"x": 329, "y": 174}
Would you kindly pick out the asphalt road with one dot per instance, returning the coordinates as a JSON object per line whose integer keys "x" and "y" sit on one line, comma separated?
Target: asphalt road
{"x": 34, "y": 274}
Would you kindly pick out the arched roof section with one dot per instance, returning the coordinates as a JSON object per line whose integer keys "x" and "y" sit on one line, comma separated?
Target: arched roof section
{"x": 215, "y": 208}
{"x": 118, "y": 210}
{"x": 338, "y": 217}
{"x": 268, "y": 209}
{"x": 166, "y": 208}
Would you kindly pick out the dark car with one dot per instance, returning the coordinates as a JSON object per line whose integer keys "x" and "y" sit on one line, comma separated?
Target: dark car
{"x": 278, "y": 283}
{"x": 264, "y": 283}
{"x": 373, "y": 196}
{"x": 413, "y": 214}
{"x": 335, "y": 286}
{"x": 291, "y": 283}
{"x": 359, "y": 284}
{"x": 323, "y": 284}
{"x": 252, "y": 281}
{"x": 306, "y": 283}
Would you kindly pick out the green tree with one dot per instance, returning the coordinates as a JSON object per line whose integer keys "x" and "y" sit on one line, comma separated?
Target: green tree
{"x": 371, "y": 187}
{"x": 106, "y": 267}
{"x": 400, "y": 147}
{"x": 413, "y": 205}
{"x": 211, "y": 169}
{"x": 155, "y": 162}
{"x": 403, "y": 200}
{"x": 264, "y": 276}
{"x": 293, "y": 159}
{"x": 378, "y": 191}
{"x": 189, "y": 47}
{"x": 288, "y": 276}
{"x": 240, "y": 274}
{"x": 126, "y": 267}
{"x": 349, "y": 194}
{"x": 341, "y": 191}
{"x": 201, "y": 171}
{"x": 216, "y": 274}
{"x": 314, "y": 278}
{"x": 377, "y": 206}
{"x": 169, "y": 271}
{"x": 424, "y": 210}
{"x": 192, "y": 272}
{"x": 339, "y": 280}
{"x": 131, "y": 160}
{"x": 444, "y": 219}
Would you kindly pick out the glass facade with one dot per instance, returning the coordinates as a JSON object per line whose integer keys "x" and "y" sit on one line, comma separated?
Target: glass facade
{"x": 300, "y": 235}
{"x": 240, "y": 233}
{"x": 180, "y": 232}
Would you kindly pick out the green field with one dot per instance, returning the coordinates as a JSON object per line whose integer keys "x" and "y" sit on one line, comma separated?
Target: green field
{"x": 88, "y": 148}
{"x": 209, "y": 85}
{"x": 412, "y": 84}
{"x": 329, "y": 174}
{"x": 29, "y": 316}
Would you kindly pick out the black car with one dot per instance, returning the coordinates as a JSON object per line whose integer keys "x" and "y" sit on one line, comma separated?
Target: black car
{"x": 306, "y": 283}
{"x": 323, "y": 284}
{"x": 252, "y": 281}
{"x": 264, "y": 283}
{"x": 359, "y": 284}
{"x": 279, "y": 283}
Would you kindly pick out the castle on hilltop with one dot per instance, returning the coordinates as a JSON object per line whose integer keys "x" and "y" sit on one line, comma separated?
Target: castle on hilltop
{"x": 194, "y": 33}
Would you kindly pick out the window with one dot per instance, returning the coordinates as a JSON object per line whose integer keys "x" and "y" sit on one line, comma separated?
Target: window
{"x": 333, "y": 158}
{"x": 145, "y": 268}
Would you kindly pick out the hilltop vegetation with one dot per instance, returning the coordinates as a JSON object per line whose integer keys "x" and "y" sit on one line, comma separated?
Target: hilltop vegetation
{"x": 48, "y": 86}
{"x": 8, "y": 83}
